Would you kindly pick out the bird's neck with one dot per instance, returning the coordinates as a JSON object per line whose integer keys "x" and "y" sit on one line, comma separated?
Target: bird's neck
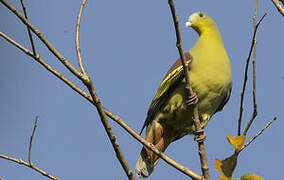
{"x": 209, "y": 39}
{"x": 211, "y": 34}
{"x": 209, "y": 49}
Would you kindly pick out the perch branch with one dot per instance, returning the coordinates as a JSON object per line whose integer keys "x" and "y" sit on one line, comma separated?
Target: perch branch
{"x": 189, "y": 91}
{"x": 29, "y": 30}
{"x": 78, "y": 49}
{"x": 279, "y": 7}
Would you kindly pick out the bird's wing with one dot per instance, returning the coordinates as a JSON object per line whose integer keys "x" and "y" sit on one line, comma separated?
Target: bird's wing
{"x": 225, "y": 99}
{"x": 173, "y": 78}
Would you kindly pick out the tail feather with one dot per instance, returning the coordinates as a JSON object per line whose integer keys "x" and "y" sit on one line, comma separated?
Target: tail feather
{"x": 148, "y": 160}
{"x": 144, "y": 167}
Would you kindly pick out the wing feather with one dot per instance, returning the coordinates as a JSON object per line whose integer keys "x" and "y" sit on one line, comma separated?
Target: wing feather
{"x": 173, "y": 78}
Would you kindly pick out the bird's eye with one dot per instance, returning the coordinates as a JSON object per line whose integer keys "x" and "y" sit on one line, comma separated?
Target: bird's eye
{"x": 201, "y": 15}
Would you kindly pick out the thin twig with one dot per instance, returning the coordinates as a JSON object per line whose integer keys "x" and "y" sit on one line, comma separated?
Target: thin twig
{"x": 258, "y": 134}
{"x": 96, "y": 103}
{"x": 246, "y": 76}
{"x": 85, "y": 79}
{"x": 54, "y": 51}
{"x": 47, "y": 67}
{"x": 31, "y": 142}
{"x": 254, "y": 114}
{"x": 117, "y": 119}
{"x": 108, "y": 129}
{"x": 279, "y": 7}
{"x": 149, "y": 145}
{"x": 30, "y": 163}
{"x": 21, "y": 162}
{"x": 29, "y": 30}
{"x": 78, "y": 49}
{"x": 189, "y": 92}
{"x": 91, "y": 87}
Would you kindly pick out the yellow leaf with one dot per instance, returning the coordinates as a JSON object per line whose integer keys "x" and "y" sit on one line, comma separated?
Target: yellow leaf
{"x": 224, "y": 178}
{"x": 218, "y": 164}
{"x": 236, "y": 141}
{"x": 226, "y": 166}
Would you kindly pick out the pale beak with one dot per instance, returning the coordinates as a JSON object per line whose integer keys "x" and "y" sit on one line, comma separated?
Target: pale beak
{"x": 188, "y": 24}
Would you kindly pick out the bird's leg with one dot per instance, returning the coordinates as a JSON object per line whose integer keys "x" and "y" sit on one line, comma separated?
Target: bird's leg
{"x": 190, "y": 100}
{"x": 200, "y": 136}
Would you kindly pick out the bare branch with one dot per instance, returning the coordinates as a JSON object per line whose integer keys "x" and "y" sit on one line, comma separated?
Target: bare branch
{"x": 30, "y": 164}
{"x": 253, "y": 46}
{"x": 279, "y": 7}
{"x": 189, "y": 92}
{"x": 254, "y": 114}
{"x": 112, "y": 116}
{"x": 117, "y": 119}
{"x": 31, "y": 142}
{"x": 258, "y": 134}
{"x": 47, "y": 67}
{"x": 108, "y": 129}
{"x": 56, "y": 53}
{"x": 86, "y": 80}
{"x": 96, "y": 101}
{"x": 78, "y": 49}
{"x": 149, "y": 145}
{"x": 29, "y": 31}
{"x": 60, "y": 76}
{"x": 246, "y": 76}
{"x": 21, "y": 162}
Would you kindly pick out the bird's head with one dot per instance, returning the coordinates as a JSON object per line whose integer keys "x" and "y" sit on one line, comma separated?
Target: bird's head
{"x": 200, "y": 22}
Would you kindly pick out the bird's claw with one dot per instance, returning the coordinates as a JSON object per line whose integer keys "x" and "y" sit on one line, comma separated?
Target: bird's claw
{"x": 190, "y": 100}
{"x": 200, "y": 136}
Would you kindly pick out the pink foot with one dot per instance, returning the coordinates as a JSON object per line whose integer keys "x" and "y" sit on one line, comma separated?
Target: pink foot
{"x": 200, "y": 136}
{"x": 193, "y": 99}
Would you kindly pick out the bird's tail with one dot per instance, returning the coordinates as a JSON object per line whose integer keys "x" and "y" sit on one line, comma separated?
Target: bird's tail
{"x": 147, "y": 161}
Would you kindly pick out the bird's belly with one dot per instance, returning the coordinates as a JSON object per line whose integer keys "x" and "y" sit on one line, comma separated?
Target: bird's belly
{"x": 179, "y": 117}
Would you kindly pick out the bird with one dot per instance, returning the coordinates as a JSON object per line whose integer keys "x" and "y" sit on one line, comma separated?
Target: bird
{"x": 170, "y": 115}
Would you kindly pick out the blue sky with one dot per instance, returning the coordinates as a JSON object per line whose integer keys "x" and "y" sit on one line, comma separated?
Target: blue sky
{"x": 127, "y": 47}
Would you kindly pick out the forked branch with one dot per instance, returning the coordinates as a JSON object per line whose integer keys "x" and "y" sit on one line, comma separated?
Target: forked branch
{"x": 96, "y": 101}
{"x": 30, "y": 164}
{"x": 29, "y": 30}
{"x": 246, "y": 77}
{"x": 116, "y": 118}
